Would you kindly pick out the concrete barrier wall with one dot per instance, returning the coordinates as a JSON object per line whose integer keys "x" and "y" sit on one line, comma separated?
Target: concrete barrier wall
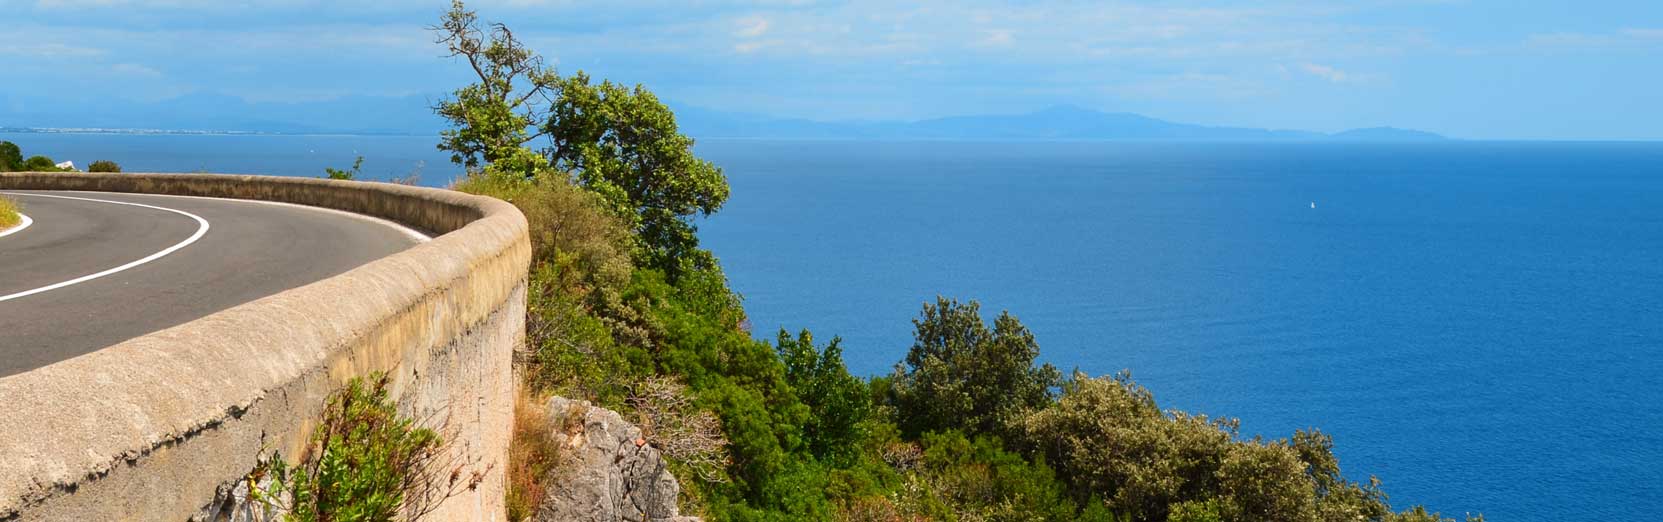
{"x": 165, "y": 426}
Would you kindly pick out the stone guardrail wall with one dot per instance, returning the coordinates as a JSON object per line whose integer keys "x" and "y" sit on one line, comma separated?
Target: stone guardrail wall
{"x": 166, "y": 426}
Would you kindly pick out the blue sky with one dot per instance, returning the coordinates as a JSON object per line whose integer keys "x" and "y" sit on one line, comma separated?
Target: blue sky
{"x": 1474, "y": 69}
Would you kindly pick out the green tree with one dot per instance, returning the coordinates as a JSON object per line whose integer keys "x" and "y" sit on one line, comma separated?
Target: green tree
{"x": 838, "y": 402}
{"x": 622, "y": 143}
{"x": 495, "y": 117}
{"x": 103, "y": 166}
{"x": 11, "y": 157}
{"x": 619, "y": 142}
{"x": 961, "y": 375}
{"x": 39, "y": 164}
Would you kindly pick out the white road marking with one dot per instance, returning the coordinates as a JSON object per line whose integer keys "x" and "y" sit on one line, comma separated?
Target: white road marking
{"x": 413, "y": 234}
{"x": 200, "y": 231}
{"x": 23, "y": 222}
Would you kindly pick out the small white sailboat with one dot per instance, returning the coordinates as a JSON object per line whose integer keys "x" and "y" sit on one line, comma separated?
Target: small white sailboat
{"x": 1313, "y": 204}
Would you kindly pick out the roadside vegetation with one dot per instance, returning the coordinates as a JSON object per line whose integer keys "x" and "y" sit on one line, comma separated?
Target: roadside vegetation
{"x": 625, "y": 309}
{"x": 363, "y": 462}
{"x": 10, "y": 214}
{"x": 12, "y": 160}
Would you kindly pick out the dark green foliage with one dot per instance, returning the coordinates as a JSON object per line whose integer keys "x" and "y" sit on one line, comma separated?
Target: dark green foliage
{"x": 838, "y": 402}
{"x": 1111, "y": 440}
{"x": 357, "y": 168}
{"x": 103, "y": 166}
{"x": 39, "y": 164}
{"x": 960, "y": 375}
{"x": 580, "y": 268}
{"x": 365, "y": 462}
{"x": 1199, "y": 511}
{"x": 623, "y": 144}
{"x": 979, "y": 480}
{"x": 11, "y": 157}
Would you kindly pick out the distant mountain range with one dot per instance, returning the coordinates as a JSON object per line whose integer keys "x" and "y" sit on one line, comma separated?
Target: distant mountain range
{"x": 1055, "y": 123}
{"x": 413, "y": 115}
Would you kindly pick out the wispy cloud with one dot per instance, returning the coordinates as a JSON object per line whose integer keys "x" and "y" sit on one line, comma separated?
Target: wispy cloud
{"x": 1627, "y": 37}
{"x": 1325, "y": 72}
{"x": 49, "y": 50}
{"x": 752, "y": 27}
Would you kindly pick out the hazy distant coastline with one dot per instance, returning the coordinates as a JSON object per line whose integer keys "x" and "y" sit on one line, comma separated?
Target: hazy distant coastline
{"x": 412, "y": 116}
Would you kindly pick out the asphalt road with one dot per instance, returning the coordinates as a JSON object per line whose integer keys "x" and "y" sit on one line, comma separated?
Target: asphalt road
{"x": 88, "y": 274}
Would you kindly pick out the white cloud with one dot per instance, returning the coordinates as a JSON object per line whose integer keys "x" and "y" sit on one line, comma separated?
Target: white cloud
{"x": 998, "y": 37}
{"x": 1325, "y": 72}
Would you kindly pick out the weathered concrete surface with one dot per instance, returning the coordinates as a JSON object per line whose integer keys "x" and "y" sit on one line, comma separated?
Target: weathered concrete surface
{"x": 151, "y": 428}
{"x": 608, "y": 472}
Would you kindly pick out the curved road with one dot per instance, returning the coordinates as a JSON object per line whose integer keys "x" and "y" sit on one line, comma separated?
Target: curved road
{"x": 103, "y": 268}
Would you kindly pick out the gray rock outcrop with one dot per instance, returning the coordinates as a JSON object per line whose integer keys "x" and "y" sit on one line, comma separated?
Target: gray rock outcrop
{"x": 609, "y": 472}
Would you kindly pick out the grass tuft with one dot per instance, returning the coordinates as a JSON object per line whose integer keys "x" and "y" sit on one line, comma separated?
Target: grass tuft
{"x": 534, "y": 452}
{"x": 9, "y": 216}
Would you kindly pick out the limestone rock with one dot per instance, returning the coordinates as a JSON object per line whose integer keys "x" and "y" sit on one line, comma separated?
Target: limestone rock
{"x": 609, "y": 472}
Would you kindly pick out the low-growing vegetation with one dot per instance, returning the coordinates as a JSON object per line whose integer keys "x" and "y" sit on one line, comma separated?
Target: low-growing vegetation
{"x": 347, "y": 174}
{"x": 364, "y": 462}
{"x": 533, "y": 456}
{"x": 103, "y": 166}
{"x": 625, "y": 309}
{"x": 10, "y": 214}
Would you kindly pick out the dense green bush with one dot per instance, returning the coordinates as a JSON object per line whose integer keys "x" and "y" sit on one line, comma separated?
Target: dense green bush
{"x": 39, "y": 164}
{"x": 11, "y": 157}
{"x": 103, "y": 166}
{"x": 961, "y": 375}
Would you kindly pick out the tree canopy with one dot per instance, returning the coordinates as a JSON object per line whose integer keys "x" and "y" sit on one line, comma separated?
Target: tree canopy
{"x": 619, "y": 142}
{"x": 961, "y": 375}
{"x": 11, "y": 157}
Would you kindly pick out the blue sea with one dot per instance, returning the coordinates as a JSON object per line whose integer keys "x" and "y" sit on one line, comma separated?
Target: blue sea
{"x": 1478, "y": 324}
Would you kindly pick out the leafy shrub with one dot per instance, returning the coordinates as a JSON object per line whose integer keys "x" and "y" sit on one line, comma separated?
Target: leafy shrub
{"x": 961, "y": 375}
{"x": 1111, "y": 440}
{"x": 364, "y": 462}
{"x": 39, "y": 164}
{"x": 357, "y": 168}
{"x": 11, "y": 157}
{"x": 103, "y": 166}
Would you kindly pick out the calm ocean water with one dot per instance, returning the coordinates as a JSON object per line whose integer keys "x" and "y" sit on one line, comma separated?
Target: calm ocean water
{"x": 1478, "y": 324}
